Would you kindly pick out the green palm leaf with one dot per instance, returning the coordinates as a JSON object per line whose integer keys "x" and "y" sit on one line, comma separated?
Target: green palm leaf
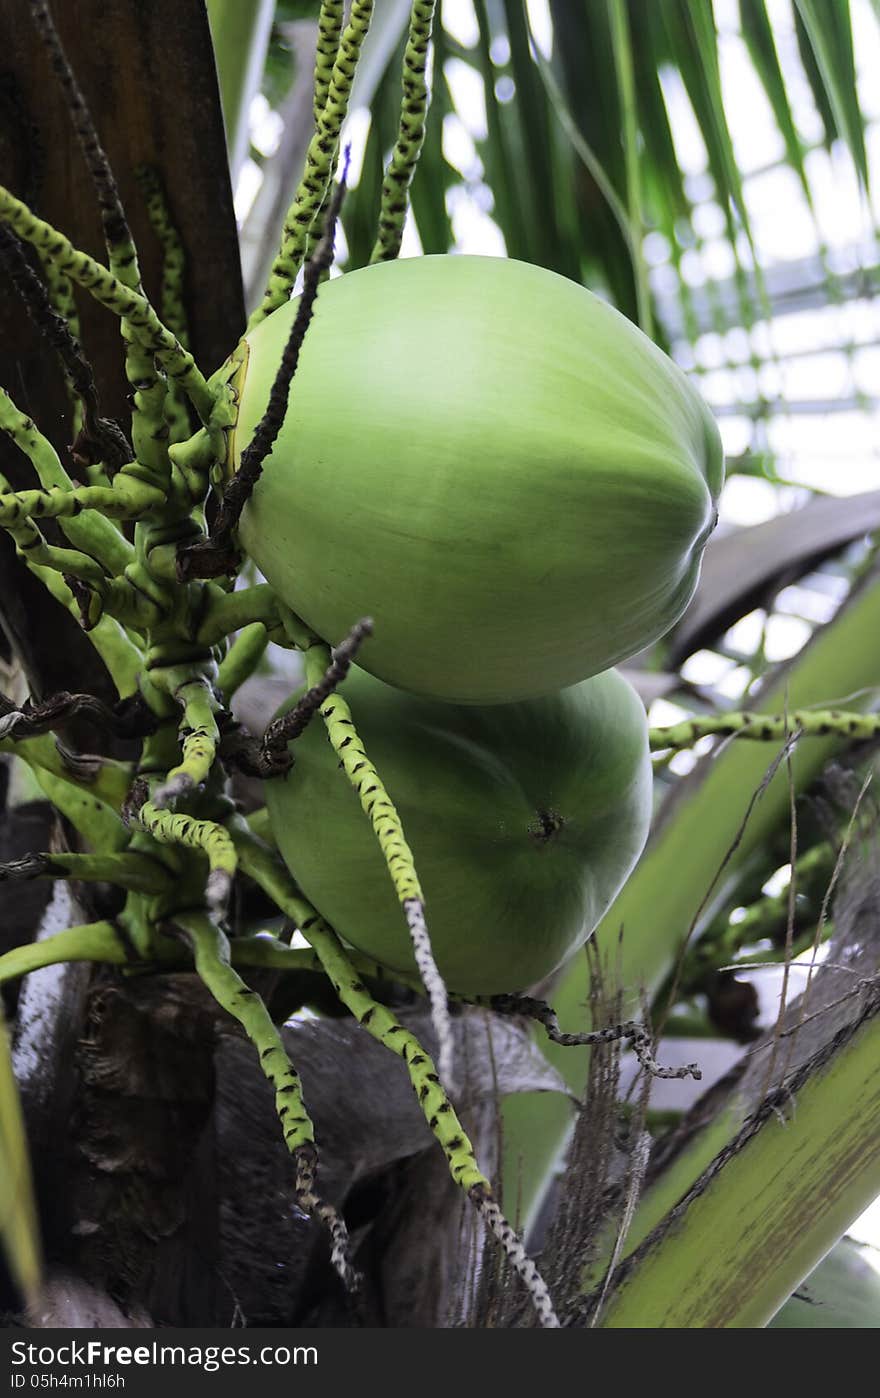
{"x": 828, "y": 29}
{"x": 18, "y": 1216}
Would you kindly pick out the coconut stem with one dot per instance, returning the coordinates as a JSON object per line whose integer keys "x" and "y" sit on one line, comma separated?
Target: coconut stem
{"x": 411, "y": 135}
{"x": 767, "y": 728}
{"x": 319, "y": 165}
{"x": 211, "y": 556}
{"x": 211, "y": 952}
{"x": 634, "y": 1033}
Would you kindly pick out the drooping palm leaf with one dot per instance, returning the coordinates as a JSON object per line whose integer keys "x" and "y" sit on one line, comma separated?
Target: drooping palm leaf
{"x": 240, "y": 32}
{"x": 828, "y": 29}
{"x": 843, "y": 1293}
{"x": 757, "y": 31}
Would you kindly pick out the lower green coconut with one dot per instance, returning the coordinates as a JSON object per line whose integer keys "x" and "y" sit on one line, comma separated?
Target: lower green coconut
{"x": 524, "y": 821}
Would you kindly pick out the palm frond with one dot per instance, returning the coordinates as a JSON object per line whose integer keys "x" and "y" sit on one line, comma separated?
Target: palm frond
{"x": 18, "y": 1215}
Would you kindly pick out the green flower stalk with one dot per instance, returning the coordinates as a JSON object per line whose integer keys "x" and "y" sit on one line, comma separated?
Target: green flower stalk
{"x": 767, "y": 728}
{"x": 171, "y": 299}
{"x": 387, "y": 827}
{"x": 411, "y": 136}
{"x": 320, "y": 159}
{"x": 359, "y": 770}
{"x": 92, "y": 532}
{"x": 438, "y": 1111}
{"x": 199, "y": 740}
{"x": 110, "y": 292}
{"x": 206, "y": 836}
{"x": 330, "y": 19}
{"x": 242, "y": 658}
{"x": 382, "y": 1025}
{"x": 211, "y": 953}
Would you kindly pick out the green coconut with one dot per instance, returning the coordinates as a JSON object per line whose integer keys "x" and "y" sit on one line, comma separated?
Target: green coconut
{"x": 492, "y": 463}
{"x": 524, "y": 821}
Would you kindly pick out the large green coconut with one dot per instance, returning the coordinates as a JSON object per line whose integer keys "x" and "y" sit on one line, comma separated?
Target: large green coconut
{"x": 492, "y": 463}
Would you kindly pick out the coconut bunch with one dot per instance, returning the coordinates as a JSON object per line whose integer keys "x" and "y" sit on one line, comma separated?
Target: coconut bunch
{"x": 517, "y": 486}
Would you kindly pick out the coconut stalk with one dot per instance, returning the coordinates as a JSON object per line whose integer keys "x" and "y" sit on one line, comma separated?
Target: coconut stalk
{"x": 730, "y": 1242}
{"x": 837, "y": 997}
{"x": 772, "y": 1204}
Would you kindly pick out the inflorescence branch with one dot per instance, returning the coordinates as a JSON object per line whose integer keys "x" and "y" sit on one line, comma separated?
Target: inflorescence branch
{"x": 90, "y": 531}
{"x": 210, "y": 556}
{"x": 320, "y": 160}
{"x": 99, "y": 439}
{"x": 129, "y": 718}
{"x": 212, "y": 959}
{"x": 410, "y": 137}
{"x": 271, "y": 875}
{"x": 111, "y": 293}
{"x": 199, "y": 736}
{"x": 388, "y": 829}
{"x": 630, "y": 1032}
{"x": 767, "y": 728}
{"x": 206, "y": 836}
{"x": 330, "y": 20}
{"x": 439, "y": 1112}
{"x": 114, "y": 223}
{"x": 273, "y": 757}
